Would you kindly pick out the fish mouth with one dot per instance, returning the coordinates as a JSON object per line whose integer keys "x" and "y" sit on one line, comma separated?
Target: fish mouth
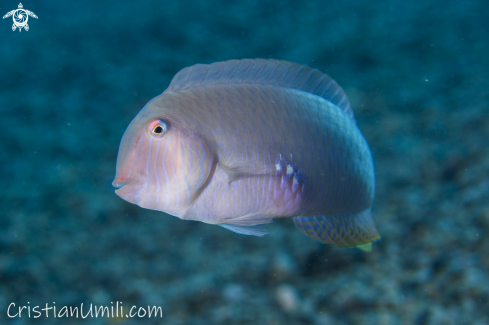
{"x": 120, "y": 181}
{"x": 127, "y": 193}
{"x": 118, "y": 185}
{"x": 128, "y": 189}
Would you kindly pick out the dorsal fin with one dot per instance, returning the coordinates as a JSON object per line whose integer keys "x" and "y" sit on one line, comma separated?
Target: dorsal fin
{"x": 264, "y": 72}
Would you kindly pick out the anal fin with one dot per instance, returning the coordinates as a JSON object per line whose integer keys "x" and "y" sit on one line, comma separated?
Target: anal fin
{"x": 248, "y": 224}
{"x": 246, "y": 230}
{"x": 346, "y": 230}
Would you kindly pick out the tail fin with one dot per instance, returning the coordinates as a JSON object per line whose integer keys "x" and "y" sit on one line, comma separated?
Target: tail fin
{"x": 350, "y": 229}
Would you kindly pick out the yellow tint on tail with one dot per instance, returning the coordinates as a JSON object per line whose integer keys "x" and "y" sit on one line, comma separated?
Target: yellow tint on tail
{"x": 365, "y": 247}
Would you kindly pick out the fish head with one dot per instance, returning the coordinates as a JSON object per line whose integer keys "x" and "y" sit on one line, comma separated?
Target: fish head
{"x": 162, "y": 164}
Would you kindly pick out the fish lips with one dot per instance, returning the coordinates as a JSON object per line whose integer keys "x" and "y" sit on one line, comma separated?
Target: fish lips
{"x": 117, "y": 185}
{"x": 127, "y": 190}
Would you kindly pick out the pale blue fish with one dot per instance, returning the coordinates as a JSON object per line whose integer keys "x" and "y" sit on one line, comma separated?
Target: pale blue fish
{"x": 241, "y": 142}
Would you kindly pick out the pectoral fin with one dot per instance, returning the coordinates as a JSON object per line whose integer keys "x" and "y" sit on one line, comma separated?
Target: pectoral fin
{"x": 235, "y": 171}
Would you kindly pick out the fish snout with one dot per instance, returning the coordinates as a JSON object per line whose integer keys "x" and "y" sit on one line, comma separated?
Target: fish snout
{"x": 120, "y": 182}
{"x": 127, "y": 189}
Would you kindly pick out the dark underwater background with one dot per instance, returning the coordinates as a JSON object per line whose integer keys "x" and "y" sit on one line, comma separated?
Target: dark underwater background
{"x": 416, "y": 73}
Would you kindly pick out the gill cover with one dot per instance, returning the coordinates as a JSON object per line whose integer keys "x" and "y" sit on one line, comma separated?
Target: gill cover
{"x": 165, "y": 173}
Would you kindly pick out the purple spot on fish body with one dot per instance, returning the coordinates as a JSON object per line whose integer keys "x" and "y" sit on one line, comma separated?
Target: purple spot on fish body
{"x": 298, "y": 199}
{"x": 277, "y": 192}
{"x": 288, "y": 194}
{"x": 295, "y": 184}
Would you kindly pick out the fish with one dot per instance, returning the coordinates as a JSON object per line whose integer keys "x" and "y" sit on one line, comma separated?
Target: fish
{"x": 242, "y": 142}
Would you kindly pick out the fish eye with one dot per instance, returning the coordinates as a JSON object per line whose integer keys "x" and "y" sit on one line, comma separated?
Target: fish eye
{"x": 157, "y": 128}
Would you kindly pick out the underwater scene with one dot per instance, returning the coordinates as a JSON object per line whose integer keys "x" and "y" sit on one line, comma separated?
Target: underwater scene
{"x": 244, "y": 162}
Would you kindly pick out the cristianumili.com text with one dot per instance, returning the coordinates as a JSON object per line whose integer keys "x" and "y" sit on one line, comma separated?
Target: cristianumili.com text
{"x": 116, "y": 310}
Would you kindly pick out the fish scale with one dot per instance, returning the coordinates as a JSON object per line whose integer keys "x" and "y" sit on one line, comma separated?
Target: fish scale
{"x": 266, "y": 139}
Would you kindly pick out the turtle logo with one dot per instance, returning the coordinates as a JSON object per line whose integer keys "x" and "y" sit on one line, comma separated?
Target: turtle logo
{"x": 20, "y": 17}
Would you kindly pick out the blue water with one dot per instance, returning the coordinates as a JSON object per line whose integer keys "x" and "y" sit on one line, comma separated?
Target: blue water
{"x": 416, "y": 75}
